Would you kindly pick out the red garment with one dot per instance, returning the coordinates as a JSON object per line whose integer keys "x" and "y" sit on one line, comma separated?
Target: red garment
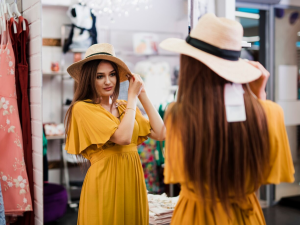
{"x": 14, "y": 40}
{"x": 22, "y": 68}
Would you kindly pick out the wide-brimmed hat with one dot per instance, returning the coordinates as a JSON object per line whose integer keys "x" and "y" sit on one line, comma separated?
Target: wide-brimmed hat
{"x": 100, "y": 51}
{"x": 216, "y": 42}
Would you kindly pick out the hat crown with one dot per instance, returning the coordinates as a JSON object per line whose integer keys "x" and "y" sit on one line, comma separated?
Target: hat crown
{"x": 220, "y": 32}
{"x": 100, "y": 48}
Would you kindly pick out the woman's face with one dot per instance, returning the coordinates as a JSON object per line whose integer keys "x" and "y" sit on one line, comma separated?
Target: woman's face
{"x": 106, "y": 79}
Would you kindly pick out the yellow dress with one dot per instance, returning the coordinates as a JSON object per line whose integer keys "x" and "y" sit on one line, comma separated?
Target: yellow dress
{"x": 189, "y": 210}
{"x": 114, "y": 189}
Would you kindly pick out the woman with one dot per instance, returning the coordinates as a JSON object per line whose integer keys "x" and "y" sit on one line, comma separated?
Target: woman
{"x": 106, "y": 131}
{"x": 224, "y": 139}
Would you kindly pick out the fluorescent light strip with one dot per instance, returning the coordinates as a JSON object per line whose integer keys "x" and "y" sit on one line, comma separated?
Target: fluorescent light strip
{"x": 247, "y": 15}
{"x": 251, "y": 39}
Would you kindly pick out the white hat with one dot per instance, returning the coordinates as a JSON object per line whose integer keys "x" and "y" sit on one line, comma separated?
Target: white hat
{"x": 216, "y": 42}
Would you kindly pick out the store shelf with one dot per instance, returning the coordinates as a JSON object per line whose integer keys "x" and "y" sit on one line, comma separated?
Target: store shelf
{"x": 57, "y": 3}
{"x": 78, "y": 50}
{"x": 54, "y": 73}
{"x": 55, "y": 137}
{"x": 142, "y": 55}
{"x": 56, "y": 164}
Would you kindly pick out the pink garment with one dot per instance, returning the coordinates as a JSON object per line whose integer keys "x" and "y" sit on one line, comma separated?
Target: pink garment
{"x": 13, "y": 175}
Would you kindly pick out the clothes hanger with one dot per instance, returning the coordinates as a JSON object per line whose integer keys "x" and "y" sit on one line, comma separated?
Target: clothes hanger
{"x": 16, "y": 11}
{"x": 2, "y": 25}
{"x": 0, "y": 19}
{"x": 11, "y": 16}
{"x": 3, "y": 16}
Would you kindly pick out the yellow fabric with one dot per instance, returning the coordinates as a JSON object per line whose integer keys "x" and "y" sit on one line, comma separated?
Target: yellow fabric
{"x": 189, "y": 210}
{"x": 114, "y": 190}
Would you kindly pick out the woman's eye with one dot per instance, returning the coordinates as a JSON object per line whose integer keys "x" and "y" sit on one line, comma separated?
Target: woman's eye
{"x": 99, "y": 77}
{"x": 113, "y": 74}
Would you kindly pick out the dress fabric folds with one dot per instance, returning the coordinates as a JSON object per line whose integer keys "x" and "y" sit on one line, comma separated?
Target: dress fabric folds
{"x": 114, "y": 190}
{"x": 13, "y": 175}
{"x": 190, "y": 210}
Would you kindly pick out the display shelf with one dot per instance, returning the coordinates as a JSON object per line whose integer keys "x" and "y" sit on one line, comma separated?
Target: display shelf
{"x": 121, "y": 53}
{"x": 54, "y": 73}
{"x": 56, "y": 3}
{"x": 55, "y": 137}
{"x": 56, "y": 164}
{"x": 78, "y": 50}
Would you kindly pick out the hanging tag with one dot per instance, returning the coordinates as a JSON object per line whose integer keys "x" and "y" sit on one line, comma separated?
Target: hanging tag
{"x": 15, "y": 28}
{"x": 24, "y": 25}
{"x": 234, "y": 103}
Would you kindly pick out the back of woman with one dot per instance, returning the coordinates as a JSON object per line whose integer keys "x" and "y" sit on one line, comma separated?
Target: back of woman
{"x": 220, "y": 163}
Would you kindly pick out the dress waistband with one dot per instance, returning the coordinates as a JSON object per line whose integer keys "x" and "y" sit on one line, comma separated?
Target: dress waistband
{"x": 246, "y": 206}
{"x": 116, "y": 149}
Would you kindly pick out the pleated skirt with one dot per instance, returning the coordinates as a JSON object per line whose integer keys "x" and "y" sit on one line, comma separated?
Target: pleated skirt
{"x": 114, "y": 191}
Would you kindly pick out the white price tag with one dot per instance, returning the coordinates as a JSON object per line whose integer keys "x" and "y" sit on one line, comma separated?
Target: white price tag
{"x": 234, "y": 103}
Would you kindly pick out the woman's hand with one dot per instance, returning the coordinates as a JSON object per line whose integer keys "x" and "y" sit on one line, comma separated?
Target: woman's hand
{"x": 135, "y": 85}
{"x": 258, "y": 86}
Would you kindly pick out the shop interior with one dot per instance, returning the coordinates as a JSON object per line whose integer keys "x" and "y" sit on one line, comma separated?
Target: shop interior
{"x": 65, "y": 42}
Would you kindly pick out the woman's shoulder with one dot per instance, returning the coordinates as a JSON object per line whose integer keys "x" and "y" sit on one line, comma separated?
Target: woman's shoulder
{"x": 83, "y": 107}
{"x": 272, "y": 109}
{"x": 121, "y": 101}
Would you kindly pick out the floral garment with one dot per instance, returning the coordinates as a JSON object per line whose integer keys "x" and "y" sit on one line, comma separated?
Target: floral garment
{"x": 13, "y": 175}
{"x": 147, "y": 155}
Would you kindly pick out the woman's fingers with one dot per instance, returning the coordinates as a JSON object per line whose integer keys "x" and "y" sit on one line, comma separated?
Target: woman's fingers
{"x": 260, "y": 67}
{"x": 258, "y": 86}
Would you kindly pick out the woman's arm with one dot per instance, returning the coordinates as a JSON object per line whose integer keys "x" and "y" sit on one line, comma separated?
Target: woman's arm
{"x": 158, "y": 131}
{"x": 123, "y": 134}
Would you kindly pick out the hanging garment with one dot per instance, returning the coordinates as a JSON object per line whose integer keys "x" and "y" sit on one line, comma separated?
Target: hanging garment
{"x": 114, "y": 190}
{"x": 13, "y": 176}
{"x": 14, "y": 40}
{"x": 83, "y": 31}
{"x": 147, "y": 155}
{"x": 45, "y": 160}
{"x": 2, "y": 215}
{"x": 22, "y": 67}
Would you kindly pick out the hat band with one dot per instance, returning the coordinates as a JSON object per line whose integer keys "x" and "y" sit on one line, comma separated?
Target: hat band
{"x": 99, "y": 53}
{"x": 222, "y": 53}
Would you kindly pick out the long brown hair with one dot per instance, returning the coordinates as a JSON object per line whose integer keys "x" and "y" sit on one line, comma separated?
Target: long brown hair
{"x": 86, "y": 88}
{"x": 219, "y": 156}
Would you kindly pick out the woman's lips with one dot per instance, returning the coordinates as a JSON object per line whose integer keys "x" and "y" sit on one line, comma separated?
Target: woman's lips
{"x": 108, "y": 88}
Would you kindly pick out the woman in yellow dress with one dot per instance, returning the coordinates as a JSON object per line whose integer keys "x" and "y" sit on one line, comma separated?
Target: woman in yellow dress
{"x": 106, "y": 131}
{"x": 224, "y": 139}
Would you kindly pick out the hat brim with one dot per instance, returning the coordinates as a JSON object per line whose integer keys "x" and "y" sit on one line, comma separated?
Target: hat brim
{"x": 75, "y": 69}
{"x": 239, "y": 72}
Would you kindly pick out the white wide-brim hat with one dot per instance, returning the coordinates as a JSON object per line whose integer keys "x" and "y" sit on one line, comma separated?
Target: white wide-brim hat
{"x": 216, "y": 42}
{"x": 103, "y": 51}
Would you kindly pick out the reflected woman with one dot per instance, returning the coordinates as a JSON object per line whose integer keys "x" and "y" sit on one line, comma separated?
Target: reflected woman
{"x": 224, "y": 139}
{"x": 106, "y": 131}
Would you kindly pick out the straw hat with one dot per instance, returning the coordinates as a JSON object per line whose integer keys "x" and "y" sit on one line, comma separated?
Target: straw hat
{"x": 216, "y": 42}
{"x": 100, "y": 51}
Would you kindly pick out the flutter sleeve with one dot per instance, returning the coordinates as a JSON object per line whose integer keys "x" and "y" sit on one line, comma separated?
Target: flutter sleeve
{"x": 89, "y": 125}
{"x": 174, "y": 155}
{"x": 282, "y": 167}
{"x": 144, "y": 127}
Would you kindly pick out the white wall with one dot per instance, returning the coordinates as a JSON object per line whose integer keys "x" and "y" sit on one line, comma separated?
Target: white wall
{"x": 290, "y": 2}
{"x": 286, "y": 54}
{"x": 32, "y": 12}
